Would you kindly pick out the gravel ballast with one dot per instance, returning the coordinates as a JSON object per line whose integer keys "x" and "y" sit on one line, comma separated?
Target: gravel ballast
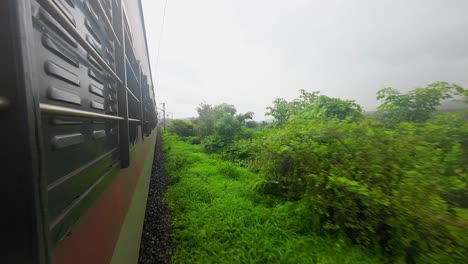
{"x": 156, "y": 243}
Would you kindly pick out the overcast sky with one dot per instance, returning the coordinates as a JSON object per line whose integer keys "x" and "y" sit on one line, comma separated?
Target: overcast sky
{"x": 248, "y": 52}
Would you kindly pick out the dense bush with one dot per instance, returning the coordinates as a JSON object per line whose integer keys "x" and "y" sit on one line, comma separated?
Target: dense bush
{"x": 312, "y": 106}
{"x": 396, "y": 184}
{"x": 218, "y": 217}
{"x": 217, "y": 128}
{"x": 383, "y": 188}
{"x": 181, "y": 128}
{"x": 390, "y": 185}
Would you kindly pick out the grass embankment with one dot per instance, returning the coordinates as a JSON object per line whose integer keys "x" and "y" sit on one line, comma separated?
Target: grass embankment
{"x": 219, "y": 217}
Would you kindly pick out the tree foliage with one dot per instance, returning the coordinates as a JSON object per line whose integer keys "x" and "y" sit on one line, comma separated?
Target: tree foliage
{"x": 204, "y": 124}
{"x": 386, "y": 189}
{"x": 181, "y": 128}
{"x": 313, "y": 105}
{"x": 282, "y": 109}
{"x": 396, "y": 183}
{"x": 217, "y": 127}
{"x": 416, "y": 105}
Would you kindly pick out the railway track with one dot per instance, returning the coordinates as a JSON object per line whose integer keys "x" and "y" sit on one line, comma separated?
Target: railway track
{"x": 156, "y": 243}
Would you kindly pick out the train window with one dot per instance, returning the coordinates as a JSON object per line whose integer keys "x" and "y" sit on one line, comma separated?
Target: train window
{"x": 132, "y": 132}
{"x": 134, "y": 116}
{"x": 134, "y": 102}
{"x": 133, "y": 84}
{"x": 128, "y": 31}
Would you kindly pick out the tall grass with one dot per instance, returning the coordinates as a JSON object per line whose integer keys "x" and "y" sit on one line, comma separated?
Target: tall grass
{"x": 219, "y": 216}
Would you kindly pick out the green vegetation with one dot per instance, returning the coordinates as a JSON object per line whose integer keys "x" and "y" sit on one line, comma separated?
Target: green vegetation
{"x": 181, "y": 128}
{"x": 417, "y": 105}
{"x": 219, "y": 216}
{"x": 394, "y": 184}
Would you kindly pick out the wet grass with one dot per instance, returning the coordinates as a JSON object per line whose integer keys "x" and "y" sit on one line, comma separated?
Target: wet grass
{"x": 219, "y": 216}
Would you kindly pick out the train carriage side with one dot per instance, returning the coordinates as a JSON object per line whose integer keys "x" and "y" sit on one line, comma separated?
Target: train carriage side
{"x": 79, "y": 109}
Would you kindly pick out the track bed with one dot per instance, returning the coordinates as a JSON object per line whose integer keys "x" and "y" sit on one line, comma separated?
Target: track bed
{"x": 156, "y": 242}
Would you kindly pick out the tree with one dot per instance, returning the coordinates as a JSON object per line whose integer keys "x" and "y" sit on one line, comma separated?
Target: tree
{"x": 208, "y": 115}
{"x": 332, "y": 108}
{"x": 417, "y": 105}
{"x": 181, "y": 128}
{"x": 313, "y": 105}
{"x": 252, "y": 124}
{"x": 227, "y": 127}
{"x": 243, "y": 117}
{"x": 224, "y": 108}
{"x": 204, "y": 124}
{"x": 282, "y": 109}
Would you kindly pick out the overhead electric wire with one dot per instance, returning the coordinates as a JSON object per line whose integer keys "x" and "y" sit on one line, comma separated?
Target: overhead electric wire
{"x": 160, "y": 39}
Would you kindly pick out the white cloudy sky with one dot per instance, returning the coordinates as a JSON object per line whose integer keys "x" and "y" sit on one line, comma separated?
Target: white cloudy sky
{"x": 248, "y": 52}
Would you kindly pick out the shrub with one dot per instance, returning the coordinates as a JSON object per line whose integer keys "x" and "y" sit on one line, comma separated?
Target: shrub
{"x": 181, "y": 128}
{"x": 384, "y": 188}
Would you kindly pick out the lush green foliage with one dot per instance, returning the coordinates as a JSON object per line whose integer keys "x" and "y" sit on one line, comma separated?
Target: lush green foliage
{"x": 416, "y": 105}
{"x": 383, "y": 188}
{"x": 313, "y": 105}
{"x": 205, "y": 124}
{"x": 181, "y": 128}
{"x": 218, "y": 127}
{"x": 219, "y": 217}
{"x": 396, "y": 184}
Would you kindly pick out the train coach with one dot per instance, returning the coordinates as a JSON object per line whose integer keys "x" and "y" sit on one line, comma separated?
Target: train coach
{"x": 78, "y": 118}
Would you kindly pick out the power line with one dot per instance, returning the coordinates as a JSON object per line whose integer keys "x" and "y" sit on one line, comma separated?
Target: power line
{"x": 157, "y": 57}
{"x": 160, "y": 39}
